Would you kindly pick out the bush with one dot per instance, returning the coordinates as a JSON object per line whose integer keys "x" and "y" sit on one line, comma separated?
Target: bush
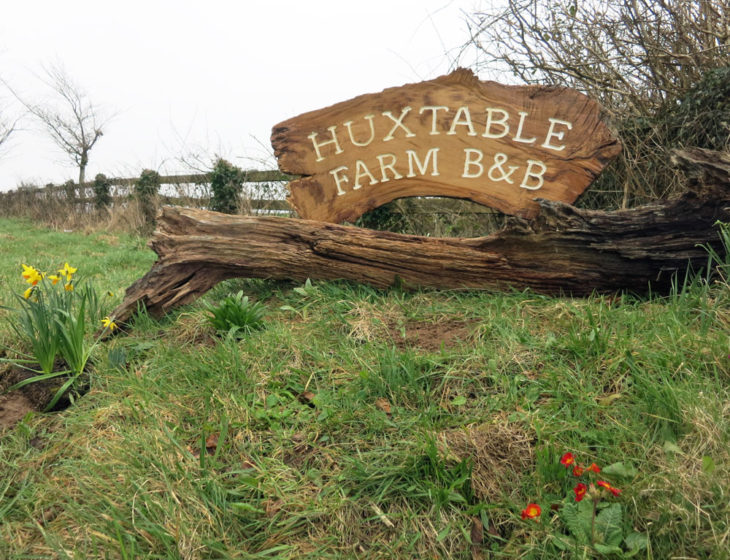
{"x": 145, "y": 190}
{"x": 703, "y": 117}
{"x": 102, "y": 191}
{"x": 69, "y": 188}
{"x": 226, "y": 182}
{"x": 660, "y": 70}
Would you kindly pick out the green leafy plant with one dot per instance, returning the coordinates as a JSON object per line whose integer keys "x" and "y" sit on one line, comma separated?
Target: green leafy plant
{"x": 236, "y": 315}
{"x": 591, "y": 521}
{"x": 53, "y": 319}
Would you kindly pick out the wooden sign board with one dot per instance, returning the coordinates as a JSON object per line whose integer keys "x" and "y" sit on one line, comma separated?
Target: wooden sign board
{"x": 455, "y": 136}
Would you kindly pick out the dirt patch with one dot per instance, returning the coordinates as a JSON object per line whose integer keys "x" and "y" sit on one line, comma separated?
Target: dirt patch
{"x": 368, "y": 323}
{"x": 431, "y": 336}
{"x": 12, "y": 409}
{"x": 31, "y": 397}
{"x": 500, "y": 453}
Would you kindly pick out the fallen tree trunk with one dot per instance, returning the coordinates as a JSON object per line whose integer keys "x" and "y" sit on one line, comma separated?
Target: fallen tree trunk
{"x": 565, "y": 250}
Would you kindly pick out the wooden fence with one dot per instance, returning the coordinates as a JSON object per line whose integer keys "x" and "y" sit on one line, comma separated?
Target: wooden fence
{"x": 442, "y": 217}
{"x": 122, "y": 188}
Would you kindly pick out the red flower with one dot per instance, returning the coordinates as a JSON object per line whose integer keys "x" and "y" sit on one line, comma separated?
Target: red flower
{"x": 607, "y": 486}
{"x": 594, "y": 468}
{"x": 567, "y": 459}
{"x": 532, "y": 511}
{"x": 578, "y": 470}
{"x": 580, "y": 491}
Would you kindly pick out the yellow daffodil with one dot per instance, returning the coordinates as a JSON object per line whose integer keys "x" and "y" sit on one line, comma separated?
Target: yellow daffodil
{"x": 26, "y": 293}
{"x": 107, "y": 323}
{"x": 31, "y": 275}
{"x": 54, "y": 279}
{"x": 67, "y": 271}
{"x": 69, "y": 287}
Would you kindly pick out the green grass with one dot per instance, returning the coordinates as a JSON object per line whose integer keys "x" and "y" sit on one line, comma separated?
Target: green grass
{"x": 280, "y": 445}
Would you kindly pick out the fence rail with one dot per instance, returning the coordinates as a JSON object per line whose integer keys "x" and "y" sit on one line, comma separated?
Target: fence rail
{"x": 252, "y": 176}
{"x": 83, "y": 194}
{"x": 421, "y": 216}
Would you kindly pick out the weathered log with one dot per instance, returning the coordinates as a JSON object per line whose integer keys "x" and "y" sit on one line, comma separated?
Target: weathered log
{"x": 564, "y": 250}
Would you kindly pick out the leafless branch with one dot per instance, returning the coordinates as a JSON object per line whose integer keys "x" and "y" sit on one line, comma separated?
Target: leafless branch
{"x": 71, "y": 119}
{"x": 639, "y": 58}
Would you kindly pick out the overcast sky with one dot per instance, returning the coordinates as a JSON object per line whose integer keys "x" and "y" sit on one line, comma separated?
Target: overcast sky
{"x": 209, "y": 77}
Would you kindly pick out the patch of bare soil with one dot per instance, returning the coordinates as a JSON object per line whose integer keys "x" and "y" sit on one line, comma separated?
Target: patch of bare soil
{"x": 12, "y": 409}
{"x": 370, "y": 323}
{"x": 431, "y": 336}
{"x": 32, "y": 397}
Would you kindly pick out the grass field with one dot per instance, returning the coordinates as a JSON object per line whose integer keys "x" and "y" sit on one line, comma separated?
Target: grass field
{"x": 373, "y": 424}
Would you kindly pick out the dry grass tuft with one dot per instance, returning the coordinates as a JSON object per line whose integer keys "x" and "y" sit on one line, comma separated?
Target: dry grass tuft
{"x": 371, "y": 322}
{"x": 193, "y": 328}
{"x": 691, "y": 477}
{"x": 500, "y": 453}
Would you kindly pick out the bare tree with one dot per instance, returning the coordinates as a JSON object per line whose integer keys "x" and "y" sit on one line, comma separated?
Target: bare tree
{"x": 639, "y": 58}
{"x": 8, "y": 124}
{"x": 634, "y": 55}
{"x": 7, "y": 127}
{"x": 72, "y": 120}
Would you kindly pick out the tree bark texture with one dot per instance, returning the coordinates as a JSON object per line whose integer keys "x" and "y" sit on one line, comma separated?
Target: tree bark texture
{"x": 565, "y": 250}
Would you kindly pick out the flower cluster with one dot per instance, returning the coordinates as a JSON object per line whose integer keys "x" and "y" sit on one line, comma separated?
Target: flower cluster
{"x": 66, "y": 275}
{"x": 32, "y": 276}
{"x": 580, "y": 490}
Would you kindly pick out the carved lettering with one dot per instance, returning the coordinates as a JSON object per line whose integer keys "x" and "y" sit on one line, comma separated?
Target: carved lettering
{"x": 390, "y": 166}
{"x": 531, "y": 174}
{"x": 472, "y": 159}
{"x": 361, "y": 170}
{"x": 348, "y": 125}
{"x": 434, "y": 110}
{"x": 462, "y": 118}
{"x": 398, "y": 124}
{"x": 318, "y": 145}
{"x": 552, "y": 134}
{"x": 422, "y": 167}
{"x": 339, "y": 179}
{"x": 502, "y": 122}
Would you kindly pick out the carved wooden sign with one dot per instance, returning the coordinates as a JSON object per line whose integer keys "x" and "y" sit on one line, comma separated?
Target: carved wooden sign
{"x": 455, "y": 136}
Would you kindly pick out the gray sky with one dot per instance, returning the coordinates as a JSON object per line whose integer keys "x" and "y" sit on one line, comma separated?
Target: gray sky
{"x": 210, "y": 77}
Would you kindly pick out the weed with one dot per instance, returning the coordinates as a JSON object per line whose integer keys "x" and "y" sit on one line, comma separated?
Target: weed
{"x": 236, "y": 315}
